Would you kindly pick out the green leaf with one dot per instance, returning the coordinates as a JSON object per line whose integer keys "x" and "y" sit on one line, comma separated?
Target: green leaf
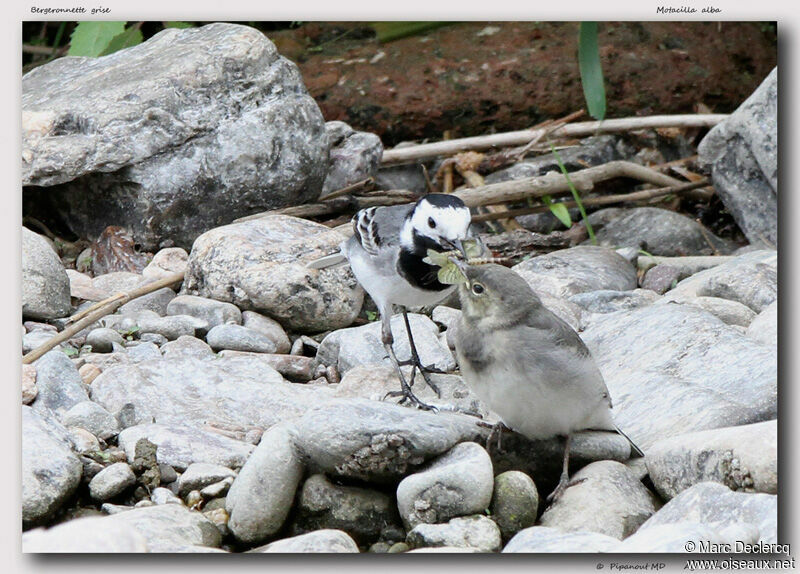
{"x": 451, "y": 274}
{"x": 89, "y": 39}
{"x": 559, "y": 210}
{"x": 130, "y": 37}
{"x": 180, "y": 25}
{"x": 371, "y": 315}
{"x": 591, "y": 71}
{"x": 576, "y": 196}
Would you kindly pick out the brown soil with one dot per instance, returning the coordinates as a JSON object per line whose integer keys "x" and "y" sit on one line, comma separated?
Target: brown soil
{"x": 466, "y": 79}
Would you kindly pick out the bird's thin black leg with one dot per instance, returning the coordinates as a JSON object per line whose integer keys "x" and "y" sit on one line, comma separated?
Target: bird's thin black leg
{"x": 564, "y": 481}
{"x": 415, "y": 358}
{"x": 405, "y": 389}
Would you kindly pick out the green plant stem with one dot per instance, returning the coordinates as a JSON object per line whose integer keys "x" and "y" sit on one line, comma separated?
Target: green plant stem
{"x": 575, "y": 195}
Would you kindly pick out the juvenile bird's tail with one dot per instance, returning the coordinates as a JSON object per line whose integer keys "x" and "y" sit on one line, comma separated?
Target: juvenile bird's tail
{"x": 327, "y": 261}
{"x": 635, "y": 448}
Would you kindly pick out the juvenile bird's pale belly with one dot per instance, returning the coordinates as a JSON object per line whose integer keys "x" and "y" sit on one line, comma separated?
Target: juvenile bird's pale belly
{"x": 530, "y": 406}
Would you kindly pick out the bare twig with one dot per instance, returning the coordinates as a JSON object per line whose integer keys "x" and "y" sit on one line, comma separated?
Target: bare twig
{"x": 555, "y": 183}
{"x": 522, "y": 137}
{"x": 101, "y": 310}
{"x": 363, "y": 185}
{"x": 603, "y": 200}
{"x": 339, "y": 205}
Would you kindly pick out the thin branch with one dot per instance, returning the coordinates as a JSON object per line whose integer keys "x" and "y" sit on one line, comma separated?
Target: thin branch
{"x": 523, "y": 137}
{"x": 338, "y": 205}
{"x": 602, "y": 200}
{"x": 555, "y": 183}
{"x": 100, "y": 310}
{"x": 362, "y": 185}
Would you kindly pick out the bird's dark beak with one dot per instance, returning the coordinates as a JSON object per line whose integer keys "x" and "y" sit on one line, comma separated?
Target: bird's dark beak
{"x": 460, "y": 247}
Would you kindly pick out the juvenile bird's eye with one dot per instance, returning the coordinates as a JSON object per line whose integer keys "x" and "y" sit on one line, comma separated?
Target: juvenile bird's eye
{"x": 431, "y": 223}
{"x": 477, "y": 288}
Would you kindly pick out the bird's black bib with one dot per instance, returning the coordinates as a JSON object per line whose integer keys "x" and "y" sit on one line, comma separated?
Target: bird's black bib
{"x": 413, "y": 269}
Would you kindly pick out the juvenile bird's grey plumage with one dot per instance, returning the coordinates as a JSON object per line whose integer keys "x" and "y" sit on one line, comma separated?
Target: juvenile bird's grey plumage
{"x": 386, "y": 255}
{"x": 528, "y": 366}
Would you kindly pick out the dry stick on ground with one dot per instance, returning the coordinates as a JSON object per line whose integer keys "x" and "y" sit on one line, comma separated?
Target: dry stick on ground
{"x": 363, "y": 185}
{"x": 603, "y": 200}
{"x": 473, "y": 180}
{"x": 102, "y": 309}
{"x": 554, "y": 183}
{"x": 338, "y": 205}
{"x": 522, "y": 137}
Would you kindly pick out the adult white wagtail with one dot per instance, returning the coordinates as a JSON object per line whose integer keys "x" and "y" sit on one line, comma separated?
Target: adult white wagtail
{"x": 526, "y": 364}
{"x": 386, "y": 255}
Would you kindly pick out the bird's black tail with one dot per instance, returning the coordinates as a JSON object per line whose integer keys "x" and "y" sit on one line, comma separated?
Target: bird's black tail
{"x": 635, "y": 448}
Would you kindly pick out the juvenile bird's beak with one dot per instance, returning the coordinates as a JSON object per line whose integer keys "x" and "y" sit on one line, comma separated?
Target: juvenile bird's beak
{"x": 461, "y": 264}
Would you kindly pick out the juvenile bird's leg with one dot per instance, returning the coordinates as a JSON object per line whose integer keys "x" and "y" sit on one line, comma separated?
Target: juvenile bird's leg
{"x": 415, "y": 359}
{"x": 564, "y": 482}
{"x": 405, "y": 390}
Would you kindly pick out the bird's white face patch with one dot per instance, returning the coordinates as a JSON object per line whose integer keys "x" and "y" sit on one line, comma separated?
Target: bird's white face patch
{"x": 449, "y": 223}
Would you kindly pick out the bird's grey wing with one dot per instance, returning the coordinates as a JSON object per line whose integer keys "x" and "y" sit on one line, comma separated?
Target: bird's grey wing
{"x": 560, "y": 345}
{"x": 365, "y": 230}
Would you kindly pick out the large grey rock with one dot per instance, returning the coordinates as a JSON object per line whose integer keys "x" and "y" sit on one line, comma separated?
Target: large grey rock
{"x": 239, "y": 338}
{"x": 325, "y": 541}
{"x": 515, "y": 502}
{"x": 742, "y": 152}
{"x": 84, "y": 535}
{"x": 180, "y": 446}
{"x": 157, "y": 301}
{"x": 212, "y": 312}
{"x": 117, "y": 282}
{"x": 50, "y": 470}
{"x": 611, "y": 500}
{"x": 261, "y": 496}
{"x": 377, "y": 441}
{"x": 164, "y": 528}
{"x": 188, "y": 346}
{"x": 764, "y": 328}
{"x": 672, "y": 369}
{"x": 458, "y": 483}
{"x": 674, "y": 538}
{"x": 346, "y": 348}
{"x": 374, "y": 380}
{"x": 714, "y": 503}
{"x": 477, "y": 532}
{"x": 260, "y": 265}
{"x": 240, "y": 392}
{"x": 661, "y": 232}
{"x": 541, "y": 539}
{"x": 198, "y": 475}
{"x": 92, "y": 417}
{"x": 594, "y": 303}
{"x": 727, "y": 311}
{"x": 742, "y": 458}
{"x": 102, "y": 339}
{"x": 577, "y": 270}
{"x": 192, "y": 147}
{"x": 167, "y": 261}
{"x": 268, "y": 327}
{"x": 354, "y": 156}
{"x": 361, "y": 512}
{"x": 45, "y": 285}
{"x": 750, "y": 279}
{"x": 59, "y": 382}
{"x": 111, "y": 481}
